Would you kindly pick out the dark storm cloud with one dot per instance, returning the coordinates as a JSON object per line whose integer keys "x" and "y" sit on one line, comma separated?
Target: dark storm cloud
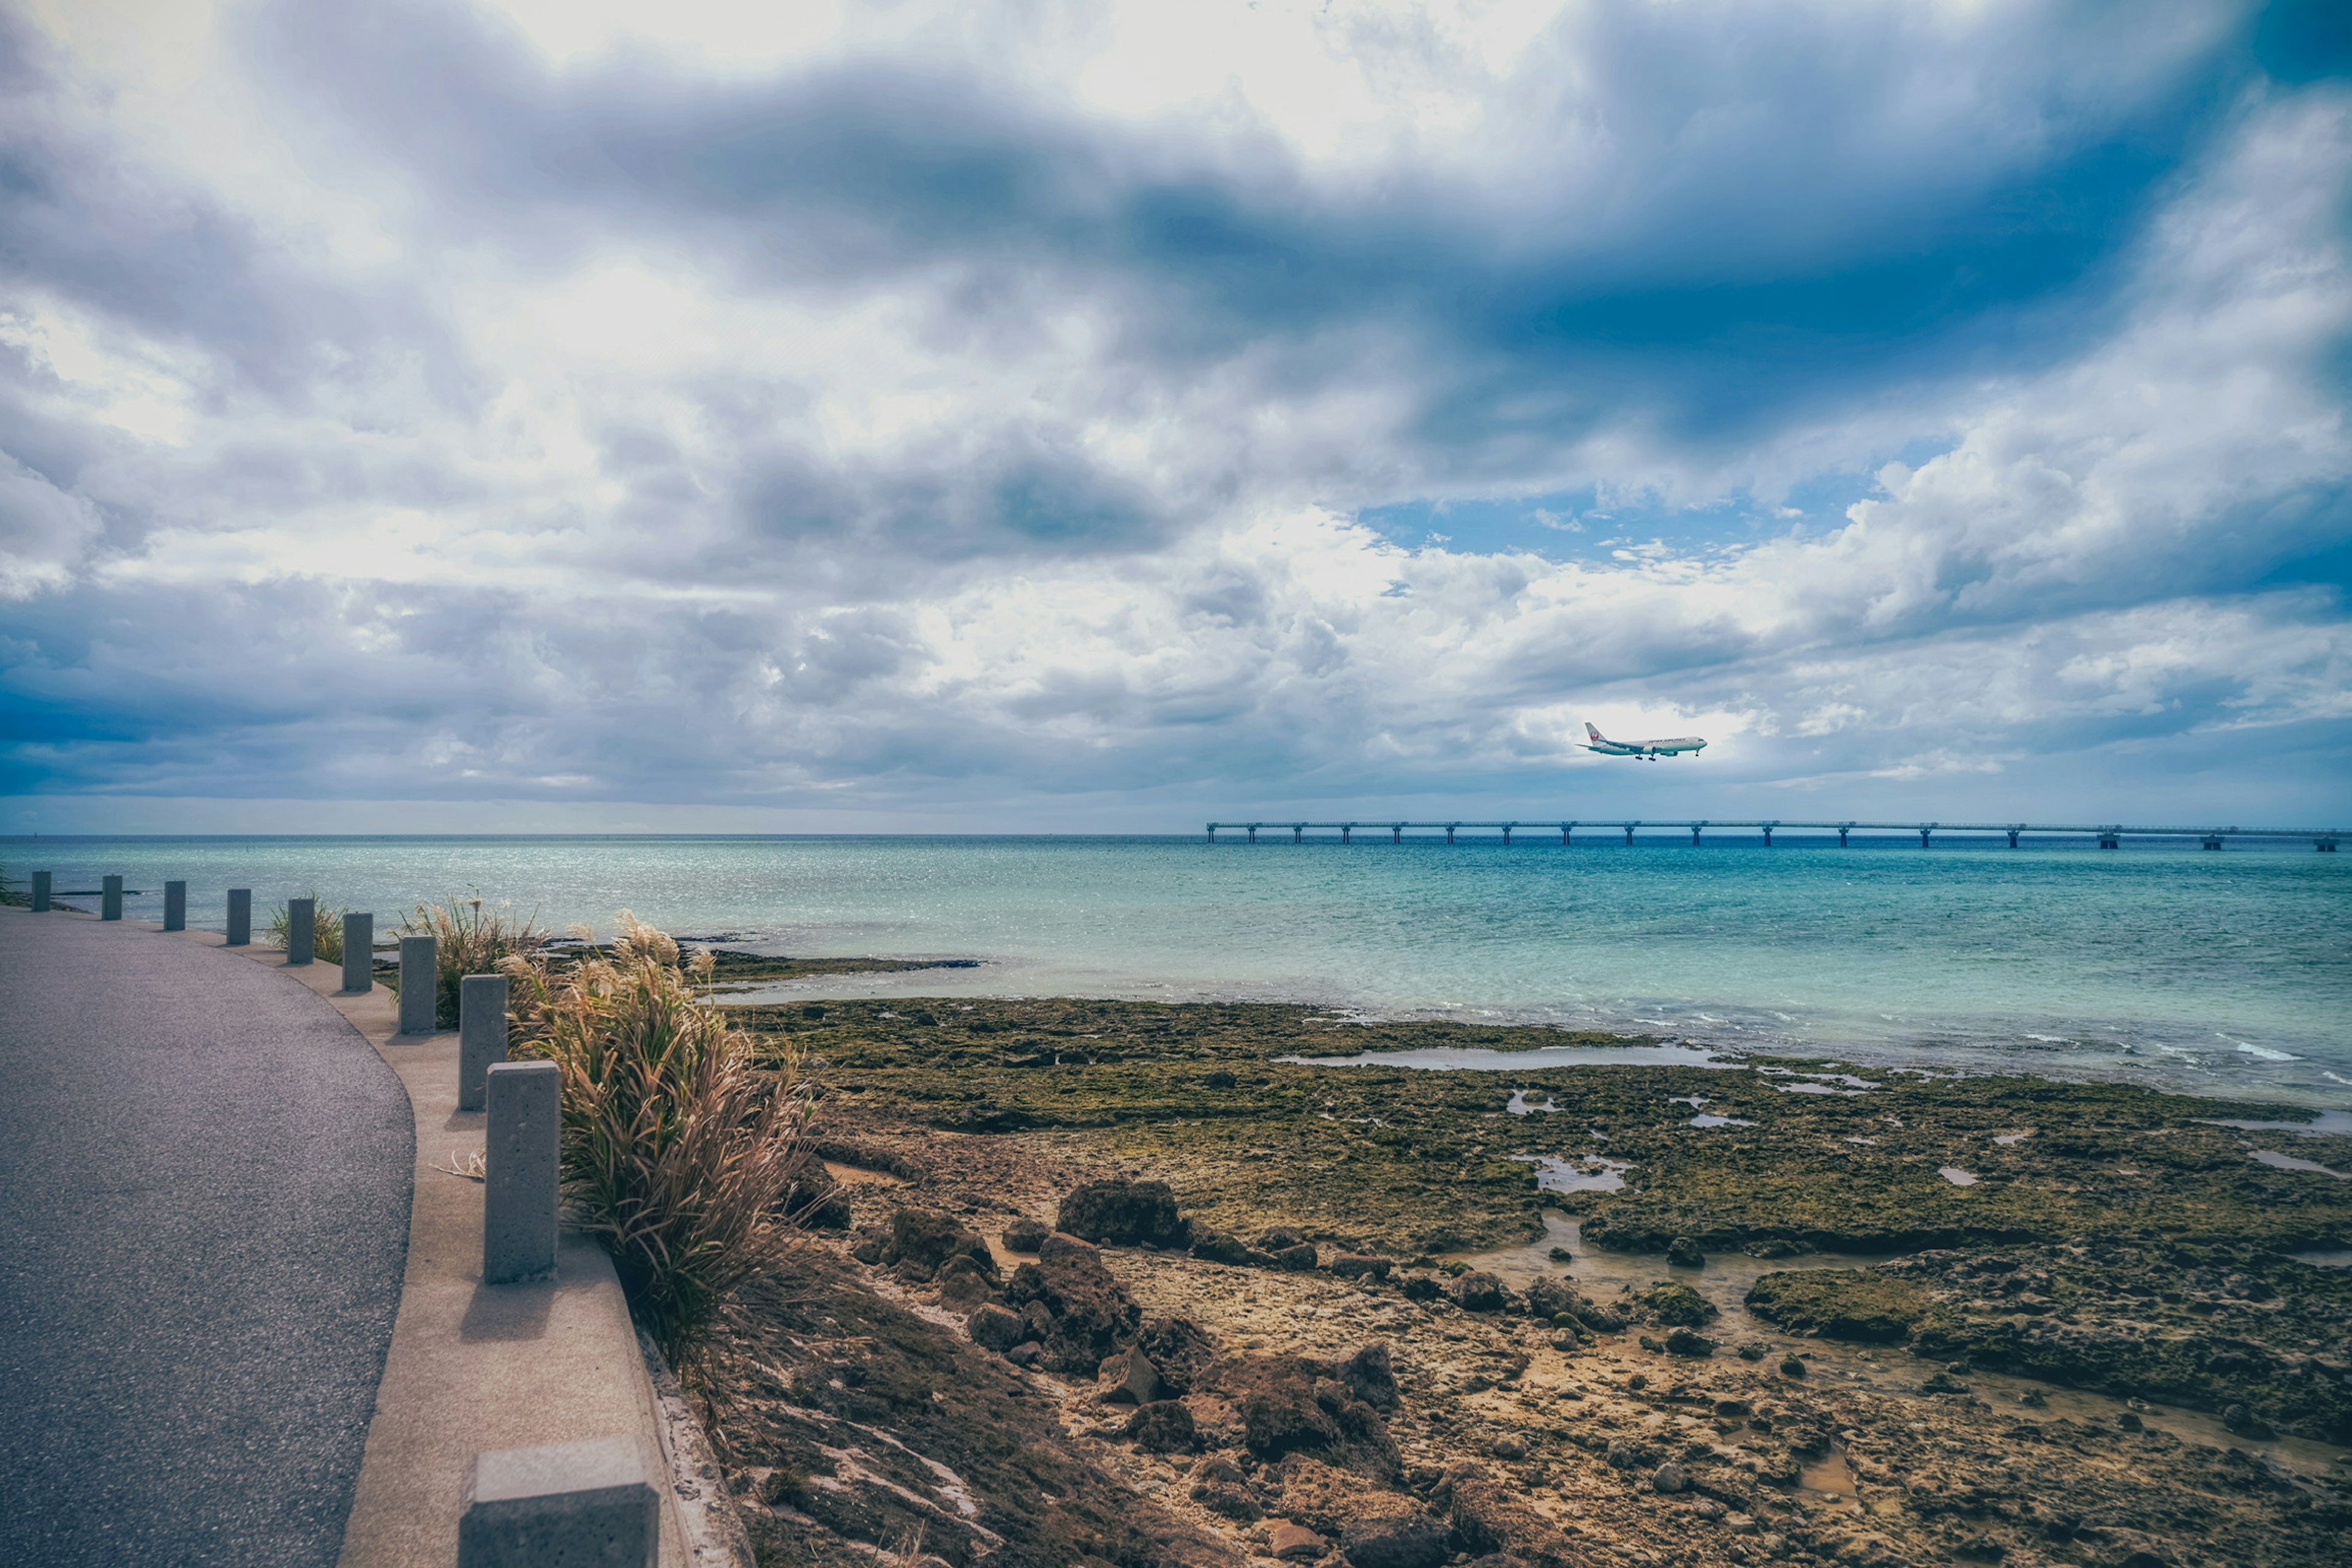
{"x": 1774, "y": 232}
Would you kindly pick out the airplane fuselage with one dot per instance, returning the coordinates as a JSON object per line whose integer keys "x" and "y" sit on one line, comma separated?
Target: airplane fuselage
{"x": 1649, "y": 749}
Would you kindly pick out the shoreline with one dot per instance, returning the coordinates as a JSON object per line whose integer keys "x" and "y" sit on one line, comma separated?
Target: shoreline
{"x": 1806, "y": 1313}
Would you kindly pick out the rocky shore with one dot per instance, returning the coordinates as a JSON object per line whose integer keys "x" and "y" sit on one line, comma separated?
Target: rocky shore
{"x": 1111, "y": 1283}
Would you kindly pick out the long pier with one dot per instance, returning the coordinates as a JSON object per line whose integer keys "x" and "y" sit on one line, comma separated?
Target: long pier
{"x": 2110, "y": 836}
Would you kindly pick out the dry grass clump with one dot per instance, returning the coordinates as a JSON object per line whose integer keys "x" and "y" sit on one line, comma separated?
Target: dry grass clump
{"x": 471, "y": 939}
{"x": 677, "y": 1146}
{"x": 327, "y": 930}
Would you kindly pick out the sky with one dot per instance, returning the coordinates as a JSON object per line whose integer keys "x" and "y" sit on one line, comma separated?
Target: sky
{"x": 570, "y": 415}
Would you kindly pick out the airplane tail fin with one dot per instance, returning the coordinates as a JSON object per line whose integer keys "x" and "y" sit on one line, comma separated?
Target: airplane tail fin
{"x": 1591, "y": 729}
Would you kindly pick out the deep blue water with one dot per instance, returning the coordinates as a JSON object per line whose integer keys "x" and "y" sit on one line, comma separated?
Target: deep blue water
{"x": 2230, "y": 972}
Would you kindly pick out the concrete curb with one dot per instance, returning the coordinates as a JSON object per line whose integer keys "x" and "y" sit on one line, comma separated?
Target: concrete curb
{"x": 712, "y": 1530}
{"x": 474, "y": 1366}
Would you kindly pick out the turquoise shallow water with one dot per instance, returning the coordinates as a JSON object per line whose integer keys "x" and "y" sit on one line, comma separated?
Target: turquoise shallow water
{"x": 2229, "y": 971}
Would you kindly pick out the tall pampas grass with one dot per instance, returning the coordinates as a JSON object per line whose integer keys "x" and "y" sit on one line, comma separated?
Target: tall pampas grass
{"x": 326, "y": 929}
{"x": 469, "y": 940}
{"x": 678, "y": 1148}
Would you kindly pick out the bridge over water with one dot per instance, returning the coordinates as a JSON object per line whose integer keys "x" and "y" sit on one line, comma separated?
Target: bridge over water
{"x": 2110, "y": 836}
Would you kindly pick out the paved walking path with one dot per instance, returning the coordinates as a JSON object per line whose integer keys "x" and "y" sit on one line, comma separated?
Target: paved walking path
{"x": 204, "y": 1202}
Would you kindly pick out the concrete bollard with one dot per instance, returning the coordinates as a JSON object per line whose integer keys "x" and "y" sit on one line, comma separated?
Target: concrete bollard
{"x": 109, "y": 899}
{"x": 241, "y": 917}
{"x": 481, "y": 1035}
{"x": 520, "y": 1171}
{"x": 589, "y": 1503}
{"x": 420, "y": 983}
{"x": 176, "y": 906}
{"x": 301, "y": 931}
{"x": 41, "y": 885}
{"x": 359, "y": 953}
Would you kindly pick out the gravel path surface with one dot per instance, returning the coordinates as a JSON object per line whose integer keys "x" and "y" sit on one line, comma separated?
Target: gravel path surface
{"x": 203, "y": 1216}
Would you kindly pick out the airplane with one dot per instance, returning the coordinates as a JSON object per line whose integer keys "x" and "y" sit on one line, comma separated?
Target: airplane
{"x": 1650, "y": 751}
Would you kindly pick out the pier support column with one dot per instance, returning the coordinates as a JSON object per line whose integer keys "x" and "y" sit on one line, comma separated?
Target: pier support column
{"x": 41, "y": 885}
{"x": 1507, "y": 834}
{"x": 1212, "y": 833}
{"x": 1449, "y": 833}
{"x": 301, "y": 931}
{"x": 1396, "y": 834}
{"x": 2212, "y": 841}
{"x": 1923, "y": 836}
{"x": 1252, "y": 833}
{"x": 359, "y": 954}
{"x": 1768, "y": 836}
{"x": 1629, "y": 835}
{"x": 1842, "y": 832}
{"x": 1347, "y": 833}
{"x": 109, "y": 899}
{"x": 176, "y": 906}
{"x": 420, "y": 983}
{"x": 2324, "y": 846}
{"x": 2108, "y": 840}
{"x": 1563, "y": 836}
{"x": 2013, "y": 838}
{"x": 1297, "y": 833}
{"x": 1694, "y": 836}
{"x": 240, "y": 918}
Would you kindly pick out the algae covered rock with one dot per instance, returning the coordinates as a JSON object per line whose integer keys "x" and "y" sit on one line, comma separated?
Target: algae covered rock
{"x": 1683, "y": 1253}
{"x": 995, "y": 1328}
{"x": 1864, "y": 1304}
{"x": 1025, "y": 1235}
{"x": 1180, "y": 1347}
{"x": 1478, "y": 1291}
{"x": 921, "y": 1242}
{"x": 1165, "y": 1426}
{"x": 1219, "y": 1247}
{"x": 1403, "y": 1539}
{"x": 1292, "y": 1404}
{"x": 1675, "y": 1305}
{"x": 1124, "y": 1214}
{"x": 1082, "y": 1310}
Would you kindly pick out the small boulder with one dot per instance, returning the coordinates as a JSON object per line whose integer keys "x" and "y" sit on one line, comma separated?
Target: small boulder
{"x": 2246, "y": 1424}
{"x": 962, "y": 1283}
{"x": 1298, "y": 1260}
{"x": 1295, "y": 1543}
{"x": 1219, "y": 1247}
{"x": 1508, "y": 1447}
{"x": 1228, "y": 1501}
{"x": 1164, "y": 1426}
{"x": 1683, "y": 1253}
{"x": 1682, "y": 1341}
{"x": 1561, "y": 1255}
{"x": 1180, "y": 1347}
{"x": 1401, "y": 1541}
{"x": 1421, "y": 1288}
{"x": 1128, "y": 1378}
{"x": 1218, "y": 1080}
{"x": 1124, "y": 1214}
{"x": 1277, "y": 1239}
{"x": 1668, "y": 1478}
{"x": 1028, "y": 1354}
{"x": 1360, "y": 1265}
{"x": 993, "y": 1328}
{"x": 1791, "y": 1367}
{"x": 1478, "y": 1291}
{"x": 1025, "y": 1235}
{"x": 922, "y": 1241}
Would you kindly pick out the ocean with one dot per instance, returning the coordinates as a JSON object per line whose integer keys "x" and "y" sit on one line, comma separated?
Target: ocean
{"x": 2225, "y": 972}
